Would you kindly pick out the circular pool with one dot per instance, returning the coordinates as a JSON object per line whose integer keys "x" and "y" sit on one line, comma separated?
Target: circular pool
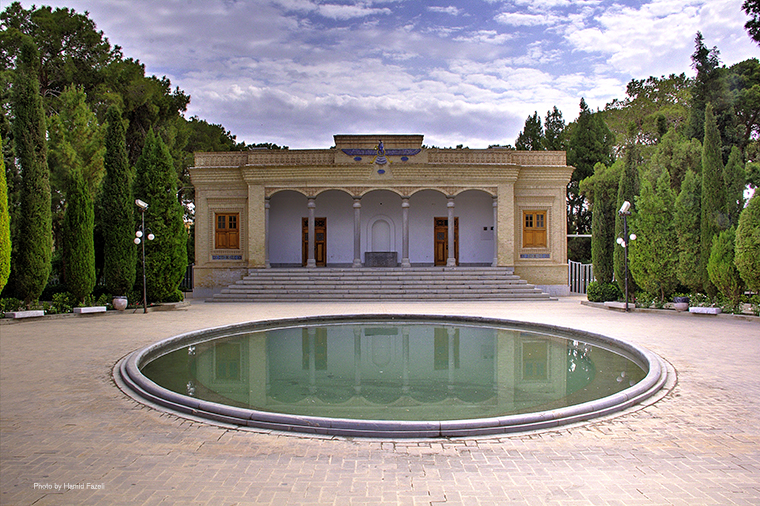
{"x": 392, "y": 375}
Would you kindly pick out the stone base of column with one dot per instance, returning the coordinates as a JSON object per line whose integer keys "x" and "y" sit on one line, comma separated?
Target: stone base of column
{"x": 311, "y": 263}
{"x": 357, "y": 263}
{"x": 405, "y": 262}
{"x": 451, "y": 262}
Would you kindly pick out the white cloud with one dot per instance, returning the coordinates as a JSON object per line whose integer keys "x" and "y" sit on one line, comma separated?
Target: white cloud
{"x": 453, "y": 11}
{"x": 521, "y": 19}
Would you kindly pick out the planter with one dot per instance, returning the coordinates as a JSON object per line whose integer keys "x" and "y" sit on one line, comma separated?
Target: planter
{"x": 120, "y": 303}
{"x": 681, "y": 303}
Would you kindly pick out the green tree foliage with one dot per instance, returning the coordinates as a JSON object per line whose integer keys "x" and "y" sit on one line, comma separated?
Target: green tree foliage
{"x": 744, "y": 83}
{"x": 554, "y": 131}
{"x": 723, "y": 272}
{"x": 687, "y": 216}
{"x": 531, "y": 136}
{"x": 651, "y": 107}
{"x": 653, "y": 255}
{"x": 734, "y": 181}
{"x": 628, "y": 189}
{"x": 32, "y": 260}
{"x": 747, "y": 255}
{"x": 78, "y": 243}
{"x": 752, "y": 8}
{"x": 713, "y": 217}
{"x": 116, "y": 210}
{"x": 590, "y": 143}
{"x": 601, "y": 190}
{"x": 678, "y": 155}
{"x": 5, "y": 226}
{"x": 711, "y": 87}
{"x": 166, "y": 256}
{"x": 75, "y": 143}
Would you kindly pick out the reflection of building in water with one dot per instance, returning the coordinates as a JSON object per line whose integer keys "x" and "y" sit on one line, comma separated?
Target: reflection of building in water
{"x": 383, "y": 370}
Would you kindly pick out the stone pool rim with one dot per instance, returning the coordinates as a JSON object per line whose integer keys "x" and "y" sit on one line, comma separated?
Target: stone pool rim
{"x": 131, "y": 380}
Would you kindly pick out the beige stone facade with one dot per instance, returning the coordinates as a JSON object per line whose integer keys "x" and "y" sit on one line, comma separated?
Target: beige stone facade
{"x": 488, "y": 192}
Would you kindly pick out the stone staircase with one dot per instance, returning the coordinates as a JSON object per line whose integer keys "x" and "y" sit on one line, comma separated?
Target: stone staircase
{"x": 347, "y": 284}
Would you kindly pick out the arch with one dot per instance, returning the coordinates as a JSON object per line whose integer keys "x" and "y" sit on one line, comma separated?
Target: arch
{"x": 286, "y": 209}
{"x": 381, "y": 234}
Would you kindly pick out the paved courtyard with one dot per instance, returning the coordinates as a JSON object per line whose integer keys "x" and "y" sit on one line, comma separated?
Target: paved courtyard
{"x": 69, "y": 436}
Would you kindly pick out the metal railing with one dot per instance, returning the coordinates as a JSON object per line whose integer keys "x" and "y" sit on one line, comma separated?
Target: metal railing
{"x": 579, "y": 276}
{"x": 187, "y": 282}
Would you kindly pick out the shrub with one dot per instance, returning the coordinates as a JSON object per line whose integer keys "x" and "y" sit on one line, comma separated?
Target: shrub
{"x": 10, "y": 304}
{"x": 602, "y": 292}
{"x": 747, "y": 256}
{"x": 721, "y": 268}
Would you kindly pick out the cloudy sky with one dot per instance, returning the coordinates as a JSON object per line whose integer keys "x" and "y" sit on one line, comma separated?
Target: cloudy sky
{"x": 295, "y": 72}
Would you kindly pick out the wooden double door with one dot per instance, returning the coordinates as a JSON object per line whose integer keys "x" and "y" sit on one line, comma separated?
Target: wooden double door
{"x": 320, "y": 241}
{"x": 441, "y": 240}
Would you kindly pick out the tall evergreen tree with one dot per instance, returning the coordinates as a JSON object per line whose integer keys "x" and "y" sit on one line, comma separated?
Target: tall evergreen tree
{"x": 116, "y": 210}
{"x": 32, "y": 260}
{"x": 531, "y": 136}
{"x": 747, "y": 250}
{"x": 601, "y": 190}
{"x": 628, "y": 189}
{"x": 590, "y": 143}
{"x": 76, "y": 143}
{"x": 78, "y": 237}
{"x": 711, "y": 87}
{"x": 713, "y": 217}
{"x": 687, "y": 216}
{"x": 166, "y": 256}
{"x": 721, "y": 267}
{"x": 653, "y": 260}
{"x": 554, "y": 131}
{"x": 734, "y": 180}
{"x": 5, "y": 225}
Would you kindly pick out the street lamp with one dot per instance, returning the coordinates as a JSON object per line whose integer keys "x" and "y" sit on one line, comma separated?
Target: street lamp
{"x": 142, "y": 206}
{"x": 625, "y": 212}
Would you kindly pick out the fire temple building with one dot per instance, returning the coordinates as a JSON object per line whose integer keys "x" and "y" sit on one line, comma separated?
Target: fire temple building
{"x": 380, "y": 201}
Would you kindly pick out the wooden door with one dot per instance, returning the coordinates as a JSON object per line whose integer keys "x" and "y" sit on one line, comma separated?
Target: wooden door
{"x": 441, "y": 243}
{"x": 320, "y": 241}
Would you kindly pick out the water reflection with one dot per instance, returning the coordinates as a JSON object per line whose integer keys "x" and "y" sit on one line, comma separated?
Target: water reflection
{"x": 386, "y": 371}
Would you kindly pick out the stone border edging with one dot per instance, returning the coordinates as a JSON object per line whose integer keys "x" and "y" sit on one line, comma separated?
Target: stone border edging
{"x": 600, "y": 305}
{"x": 142, "y": 389}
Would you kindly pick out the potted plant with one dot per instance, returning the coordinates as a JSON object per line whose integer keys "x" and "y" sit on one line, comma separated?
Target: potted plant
{"x": 681, "y": 303}
{"x": 120, "y": 302}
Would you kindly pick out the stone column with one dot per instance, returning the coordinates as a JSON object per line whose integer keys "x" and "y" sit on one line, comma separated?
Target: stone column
{"x": 256, "y": 232}
{"x": 451, "y": 261}
{"x": 495, "y": 262}
{"x": 405, "y": 232}
{"x": 266, "y": 234}
{"x": 357, "y": 232}
{"x": 311, "y": 262}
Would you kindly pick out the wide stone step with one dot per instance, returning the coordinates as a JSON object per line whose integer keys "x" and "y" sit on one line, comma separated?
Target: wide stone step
{"x": 344, "y": 284}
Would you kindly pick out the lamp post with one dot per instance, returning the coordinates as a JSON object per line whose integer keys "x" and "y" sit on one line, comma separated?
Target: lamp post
{"x": 143, "y": 206}
{"x": 625, "y": 212}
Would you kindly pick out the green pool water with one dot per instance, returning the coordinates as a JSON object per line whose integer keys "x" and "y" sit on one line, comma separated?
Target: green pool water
{"x": 395, "y": 371}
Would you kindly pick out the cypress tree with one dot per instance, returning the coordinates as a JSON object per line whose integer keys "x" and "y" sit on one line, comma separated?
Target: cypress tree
{"x": 530, "y": 138}
{"x": 721, "y": 267}
{"x": 116, "y": 209}
{"x": 628, "y": 188}
{"x": 32, "y": 260}
{"x": 686, "y": 220}
{"x": 601, "y": 190}
{"x": 5, "y": 225}
{"x": 734, "y": 180}
{"x": 747, "y": 252}
{"x": 653, "y": 257}
{"x": 78, "y": 236}
{"x": 166, "y": 256}
{"x": 713, "y": 215}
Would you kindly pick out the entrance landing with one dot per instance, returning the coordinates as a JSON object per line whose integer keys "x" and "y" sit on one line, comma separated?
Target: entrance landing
{"x": 394, "y": 283}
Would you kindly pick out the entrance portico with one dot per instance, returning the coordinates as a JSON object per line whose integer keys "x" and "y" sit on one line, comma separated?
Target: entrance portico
{"x": 377, "y": 200}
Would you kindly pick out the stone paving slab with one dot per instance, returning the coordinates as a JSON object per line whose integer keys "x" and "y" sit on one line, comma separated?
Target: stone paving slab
{"x": 64, "y": 424}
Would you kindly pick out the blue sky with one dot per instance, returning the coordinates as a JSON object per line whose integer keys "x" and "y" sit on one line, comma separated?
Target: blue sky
{"x": 295, "y": 72}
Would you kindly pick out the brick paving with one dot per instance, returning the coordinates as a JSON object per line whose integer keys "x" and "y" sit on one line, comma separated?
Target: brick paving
{"x": 68, "y": 435}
